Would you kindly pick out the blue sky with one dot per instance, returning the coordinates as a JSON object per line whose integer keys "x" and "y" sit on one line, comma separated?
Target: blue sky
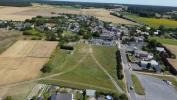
{"x": 143, "y": 2}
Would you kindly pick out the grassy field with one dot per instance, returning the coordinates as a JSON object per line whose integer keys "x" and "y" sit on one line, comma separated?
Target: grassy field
{"x": 165, "y": 41}
{"x": 79, "y": 70}
{"x": 137, "y": 85}
{"x": 154, "y": 22}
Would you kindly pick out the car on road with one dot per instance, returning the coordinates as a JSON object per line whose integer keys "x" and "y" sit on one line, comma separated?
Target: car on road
{"x": 168, "y": 82}
{"x": 131, "y": 87}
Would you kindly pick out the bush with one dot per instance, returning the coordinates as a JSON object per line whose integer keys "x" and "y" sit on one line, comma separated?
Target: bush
{"x": 123, "y": 97}
{"x": 27, "y": 33}
{"x": 66, "y": 47}
{"x": 46, "y": 68}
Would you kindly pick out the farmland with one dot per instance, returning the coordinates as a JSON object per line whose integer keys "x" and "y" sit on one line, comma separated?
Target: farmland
{"x": 165, "y": 41}
{"x": 79, "y": 70}
{"x": 154, "y": 22}
{"x": 22, "y": 13}
{"x": 23, "y": 58}
{"x": 7, "y": 38}
{"x": 173, "y": 49}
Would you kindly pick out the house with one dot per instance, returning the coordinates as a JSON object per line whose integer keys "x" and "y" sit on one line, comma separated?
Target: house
{"x": 160, "y": 49}
{"x": 156, "y": 33}
{"x": 90, "y": 93}
{"x": 97, "y": 41}
{"x": 139, "y": 53}
{"x": 108, "y": 97}
{"x": 145, "y": 33}
{"x": 62, "y": 96}
{"x": 139, "y": 39}
{"x": 143, "y": 54}
{"x": 3, "y": 24}
{"x": 154, "y": 64}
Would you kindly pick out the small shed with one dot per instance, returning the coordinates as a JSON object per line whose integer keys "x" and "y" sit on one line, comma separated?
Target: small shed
{"x": 91, "y": 93}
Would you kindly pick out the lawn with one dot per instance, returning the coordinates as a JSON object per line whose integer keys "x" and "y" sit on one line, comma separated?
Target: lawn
{"x": 137, "y": 85}
{"x": 81, "y": 71}
{"x": 165, "y": 41}
{"x": 154, "y": 22}
{"x": 33, "y": 32}
{"x": 68, "y": 33}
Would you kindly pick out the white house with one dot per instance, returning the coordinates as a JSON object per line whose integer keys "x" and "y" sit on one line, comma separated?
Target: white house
{"x": 160, "y": 49}
{"x": 154, "y": 64}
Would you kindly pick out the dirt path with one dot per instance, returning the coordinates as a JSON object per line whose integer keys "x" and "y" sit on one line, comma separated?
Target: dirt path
{"x": 83, "y": 84}
{"x": 106, "y": 72}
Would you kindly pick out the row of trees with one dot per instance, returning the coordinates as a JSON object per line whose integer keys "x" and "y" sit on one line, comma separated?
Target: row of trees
{"x": 119, "y": 65}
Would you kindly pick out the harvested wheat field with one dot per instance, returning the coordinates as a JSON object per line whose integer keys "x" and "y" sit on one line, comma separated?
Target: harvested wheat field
{"x": 104, "y": 15}
{"x": 173, "y": 49}
{"x": 23, "y": 60}
{"x": 22, "y": 13}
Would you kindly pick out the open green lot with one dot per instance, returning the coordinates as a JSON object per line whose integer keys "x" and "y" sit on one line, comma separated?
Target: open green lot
{"x": 79, "y": 70}
{"x": 165, "y": 41}
{"x": 137, "y": 85}
{"x": 154, "y": 22}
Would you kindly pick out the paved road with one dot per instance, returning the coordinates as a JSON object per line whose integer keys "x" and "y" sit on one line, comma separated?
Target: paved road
{"x": 127, "y": 72}
{"x": 156, "y": 89}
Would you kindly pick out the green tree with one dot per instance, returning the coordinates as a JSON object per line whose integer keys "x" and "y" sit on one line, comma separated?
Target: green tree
{"x": 123, "y": 97}
{"x": 51, "y": 36}
{"x": 96, "y": 34}
{"x": 148, "y": 66}
{"x": 46, "y": 68}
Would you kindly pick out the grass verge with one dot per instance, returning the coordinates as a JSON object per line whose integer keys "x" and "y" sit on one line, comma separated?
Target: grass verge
{"x": 137, "y": 85}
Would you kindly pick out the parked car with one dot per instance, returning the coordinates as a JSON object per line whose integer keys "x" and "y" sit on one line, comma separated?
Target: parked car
{"x": 131, "y": 87}
{"x": 168, "y": 82}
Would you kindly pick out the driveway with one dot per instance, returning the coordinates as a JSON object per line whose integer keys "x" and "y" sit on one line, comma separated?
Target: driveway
{"x": 156, "y": 89}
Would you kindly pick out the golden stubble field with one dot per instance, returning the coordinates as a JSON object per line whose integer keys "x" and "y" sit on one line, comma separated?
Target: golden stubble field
{"x": 22, "y": 13}
{"x": 173, "y": 48}
{"x": 23, "y": 60}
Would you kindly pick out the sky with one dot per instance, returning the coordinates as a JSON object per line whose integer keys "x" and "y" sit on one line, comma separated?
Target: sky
{"x": 141, "y": 2}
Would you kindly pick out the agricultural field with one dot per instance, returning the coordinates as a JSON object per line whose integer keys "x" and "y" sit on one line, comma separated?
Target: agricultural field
{"x": 80, "y": 70}
{"x": 19, "y": 92}
{"x": 165, "y": 41}
{"x": 23, "y": 58}
{"x": 22, "y": 13}
{"x": 7, "y": 38}
{"x": 173, "y": 49}
{"x": 154, "y": 22}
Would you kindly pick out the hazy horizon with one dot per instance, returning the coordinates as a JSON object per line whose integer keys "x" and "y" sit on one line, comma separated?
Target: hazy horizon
{"x": 138, "y": 2}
